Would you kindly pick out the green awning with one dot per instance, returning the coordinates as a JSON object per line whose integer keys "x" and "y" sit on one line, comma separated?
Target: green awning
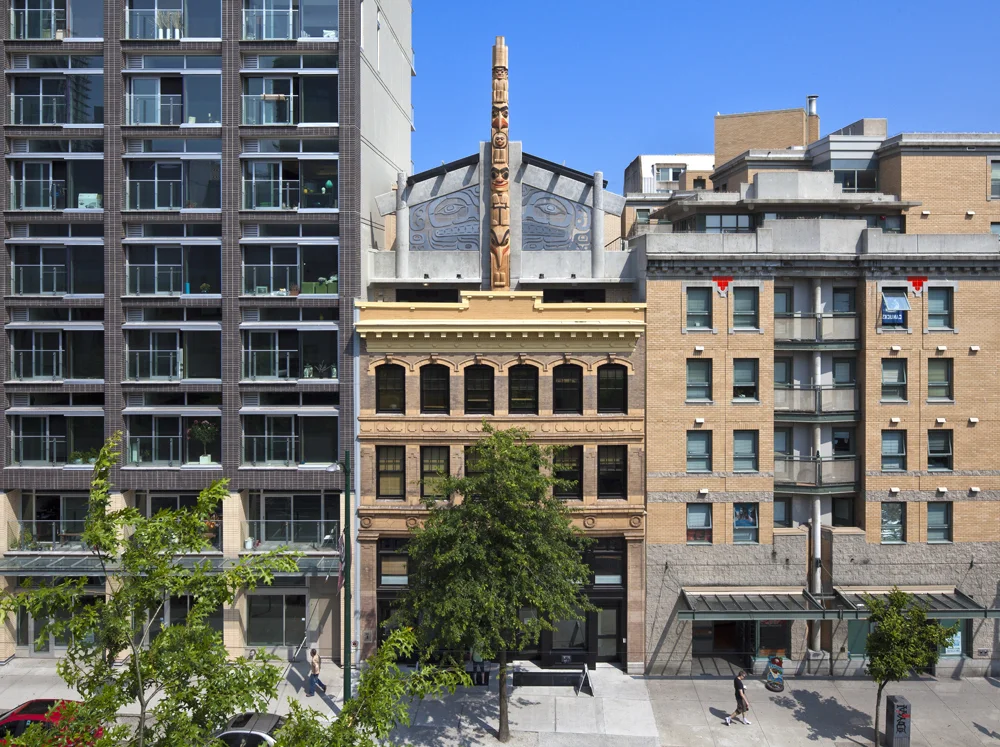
{"x": 940, "y": 603}
{"x": 735, "y": 603}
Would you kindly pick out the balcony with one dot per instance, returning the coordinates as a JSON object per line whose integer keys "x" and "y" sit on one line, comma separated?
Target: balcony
{"x": 292, "y": 534}
{"x": 54, "y": 440}
{"x": 172, "y": 355}
{"x": 154, "y": 24}
{"x": 815, "y": 400}
{"x": 172, "y": 270}
{"x": 61, "y": 535}
{"x": 289, "y": 441}
{"x": 37, "y": 194}
{"x": 261, "y": 24}
{"x": 290, "y": 185}
{"x": 153, "y": 364}
{"x": 57, "y": 270}
{"x": 164, "y": 441}
{"x": 37, "y": 23}
{"x": 37, "y": 365}
{"x": 38, "y": 355}
{"x": 274, "y": 271}
{"x": 269, "y": 109}
{"x": 289, "y": 355}
{"x": 272, "y": 194}
{"x": 154, "y": 109}
{"x": 26, "y": 110}
{"x": 810, "y": 328}
{"x": 815, "y": 473}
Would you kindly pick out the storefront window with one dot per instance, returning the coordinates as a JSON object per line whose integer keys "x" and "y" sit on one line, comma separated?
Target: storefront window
{"x": 955, "y": 646}
{"x": 570, "y": 634}
{"x": 774, "y": 638}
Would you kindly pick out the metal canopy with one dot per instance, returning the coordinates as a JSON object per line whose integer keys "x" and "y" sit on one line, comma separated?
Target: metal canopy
{"x": 57, "y": 564}
{"x": 782, "y": 603}
{"x": 939, "y": 603}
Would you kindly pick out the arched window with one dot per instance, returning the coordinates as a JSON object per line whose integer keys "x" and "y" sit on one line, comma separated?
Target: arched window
{"x": 567, "y": 389}
{"x": 435, "y": 394}
{"x": 390, "y": 388}
{"x": 612, "y": 388}
{"x": 479, "y": 390}
{"x": 522, "y": 390}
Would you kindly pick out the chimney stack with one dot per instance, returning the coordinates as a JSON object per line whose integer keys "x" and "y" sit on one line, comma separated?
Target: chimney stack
{"x": 812, "y": 119}
{"x": 811, "y": 105}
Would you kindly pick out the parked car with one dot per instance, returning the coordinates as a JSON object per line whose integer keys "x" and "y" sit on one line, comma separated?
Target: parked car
{"x": 251, "y": 730}
{"x": 14, "y": 722}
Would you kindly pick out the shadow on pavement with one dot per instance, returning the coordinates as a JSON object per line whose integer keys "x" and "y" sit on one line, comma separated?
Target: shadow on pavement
{"x": 471, "y": 725}
{"x": 987, "y": 732}
{"x": 826, "y": 718}
{"x": 718, "y": 713}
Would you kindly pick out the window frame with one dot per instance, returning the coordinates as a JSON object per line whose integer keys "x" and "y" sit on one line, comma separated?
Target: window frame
{"x": 612, "y": 454}
{"x": 948, "y": 455}
{"x": 522, "y": 368}
{"x": 382, "y": 455}
{"x": 843, "y": 500}
{"x": 430, "y": 454}
{"x": 703, "y": 315}
{"x": 707, "y": 435}
{"x": 381, "y": 372}
{"x": 755, "y": 363}
{"x": 754, "y": 292}
{"x": 785, "y": 501}
{"x": 754, "y": 436}
{"x": 949, "y": 314}
{"x": 613, "y": 390}
{"x": 560, "y": 471}
{"x": 707, "y": 386}
{"x": 706, "y": 532}
{"x": 487, "y": 395}
{"x": 564, "y": 389}
{"x": 426, "y": 392}
{"x": 904, "y": 325}
{"x": 900, "y": 455}
{"x": 392, "y": 548}
{"x": 902, "y": 523}
{"x": 901, "y": 386}
{"x": 948, "y": 527}
{"x": 947, "y": 385}
{"x": 753, "y": 513}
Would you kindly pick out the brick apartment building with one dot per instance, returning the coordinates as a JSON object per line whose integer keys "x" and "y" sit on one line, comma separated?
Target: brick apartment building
{"x": 182, "y": 226}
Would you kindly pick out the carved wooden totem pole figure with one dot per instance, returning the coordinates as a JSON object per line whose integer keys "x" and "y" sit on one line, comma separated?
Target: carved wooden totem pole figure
{"x": 500, "y": 173}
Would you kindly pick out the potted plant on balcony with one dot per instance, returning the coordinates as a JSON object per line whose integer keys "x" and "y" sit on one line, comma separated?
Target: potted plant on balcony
{"x": 205, "y": 287}
{"x": 162, "y": 24}
{"x": 206, "y": 432}
{"x": 294, "y": 291}
{"x": 322, "y": 369}
{"x": 91, "y": 455}
{"x": 76, "y": 457}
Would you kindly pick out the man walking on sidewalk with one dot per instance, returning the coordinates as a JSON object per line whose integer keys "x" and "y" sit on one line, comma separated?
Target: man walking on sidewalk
{"x": 742, "y": 704}
{"x": 314, "y": 667}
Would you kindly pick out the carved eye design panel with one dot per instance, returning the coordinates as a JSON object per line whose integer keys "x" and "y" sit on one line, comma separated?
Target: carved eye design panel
{"x": 449, "y": 223}
{"x": 553, "y": 223}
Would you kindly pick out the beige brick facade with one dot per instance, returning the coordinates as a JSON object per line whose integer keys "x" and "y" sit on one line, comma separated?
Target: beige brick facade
{"x": 783, "y": 128}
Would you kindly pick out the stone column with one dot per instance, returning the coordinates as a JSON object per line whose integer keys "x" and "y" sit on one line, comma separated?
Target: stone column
{"x": 635, "y": 605}
{"x": 402, "y": 228}
{"x": 234, "y": 518}
{"x": 597, "y": 228}
{"x": 367, "y": 635}
{"x": 8, "y": 626}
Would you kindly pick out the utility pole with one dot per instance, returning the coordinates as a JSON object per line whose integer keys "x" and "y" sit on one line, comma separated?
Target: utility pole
{"x": 345, "y": 570}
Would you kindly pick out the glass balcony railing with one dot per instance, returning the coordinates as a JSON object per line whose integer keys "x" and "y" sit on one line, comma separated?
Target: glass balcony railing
{"x": 37, "y": 194}
{"x": 815, "y": 400}
{"x": 37, "y": 23}
{"x": 39, "y": 279}
{"x": 812, "y": 328}
{"x": 46, "y": 536}
{"x": 38, "y": 451}
{"x": 261, "y": 24}
{"x": 270, "y": 450}
{"x": 294, "y": 534}
{"x": 154, "y": 450}
{"x": 266, "y": 280}
{"x": 269, "y": 109}
{"x": 153, "y": 194}
{"x": 813, "y": 472}
{"x": 152, "y": 280}
{"x": 271, "y": 195}
{"x": 37, "y": 364}
{"x": 271, "y": 364}
{"x": 153, "y": 109}
{"x": 38, "y": 110}
{"x": 154, "y": 24}
{"x": 155, "y": 364}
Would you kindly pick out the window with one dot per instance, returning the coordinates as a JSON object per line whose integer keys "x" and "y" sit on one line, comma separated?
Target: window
{"x": 843, "y": 372}
{"x": 894, "y": 380}
{"x": 567, "y": 389}
{"x": 939, "y": 456}
{"x": 390, "y": 480}
{"x": 857, "y": 180}
{"x": 699, "y": 308}
{"x": 612, "y": 388}
{"x": 783, "y": 301}
{"x": 939, "y": 308}
{"x": 744, "y": 451}
{"x": 471, "y": 464}
{"x": 479, "y": 390}
{"x": 745, "y": 308}
{"x": 893, "y": 516}
{"x": 390, "y": 390}
{"x": 522, "y": 390}
{"x": 995, "y": 229}
{"x": 843, "y": 511}
{"x": 699, "y": 379}
{"x": 857, "y": 637}
{"x": 843, "y": 442}
{"x": 699, "y": 523}
{"x": 745, "y": 522}
{"x": 699, "y": 182}
{"x": 895, "y": 306}
{"x": 939, "y": 521}
{"x": 745, "y": 378}
{"x": 782, "y": 512}
{"x": 435, "y": 394}
{"x": 843, "y": 301}
{"x": 893, "y": 451}
{"x": 699, "y": 451}
{"x": 783, "y": 441}
{"x": 606, "y": 558}
{"x": 611, "y": 474}
{"x": 782, "y": 373}
{"x": 393, "y": 562}
{"x": 727, "y": 224}
{"x": 995, "y": 180}
{"x": 939, "y": 379}
{"x": 433, "y": 467}
{"x": 642, "y": 217}
{"x": 276, "y": 619}
{"x": 568, "y": 465}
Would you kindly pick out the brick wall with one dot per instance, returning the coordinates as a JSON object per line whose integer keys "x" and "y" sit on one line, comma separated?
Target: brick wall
{"x": 736, "y": 133}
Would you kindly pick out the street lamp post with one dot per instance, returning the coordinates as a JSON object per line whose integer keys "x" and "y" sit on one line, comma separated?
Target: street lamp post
{"x": 345, "y": 570}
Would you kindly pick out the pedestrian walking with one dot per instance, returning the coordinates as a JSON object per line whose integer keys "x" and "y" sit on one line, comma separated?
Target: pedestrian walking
{"x": 742, "y": 704}
{"x": 314, "y": 666}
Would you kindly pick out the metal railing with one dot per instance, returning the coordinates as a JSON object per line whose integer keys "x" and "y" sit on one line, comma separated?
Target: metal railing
{"x": 36, "y": 23}
{"x": 272, "y": 194}
{"x": 295, "y": 534}
{"x": 46, "y": 535}
{"x": 815, "y": 472}
{"x": 154, "y": 109}
{"x": 153, "y": 194}
{"x": 269, "y": 109}
{"x": 37, "y": 364}
{"x": 270, "y": 24}
{"x": 154, "y": 24}
{"x": 153, "y": 364}
{"x": 263, "y": 280}
{"x": 39, "y": 279}
{"x": 271, "y": 364}
{"x": 816, "y": 399}
{"x": 154, "y": 280}
{"x": 38, "y": 450}
{"x": 165, "y": 450}
{"x": 45, "y": 109}
{"x": 813, "y": 328}
{"x": 273, "y": 450}
{"x": 37, "y": 194}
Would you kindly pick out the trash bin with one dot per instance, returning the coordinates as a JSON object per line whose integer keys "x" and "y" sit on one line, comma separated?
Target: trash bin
{"x": 897, "y": 721}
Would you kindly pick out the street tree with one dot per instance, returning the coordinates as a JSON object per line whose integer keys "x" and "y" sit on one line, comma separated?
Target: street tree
{"x": 501, "y": 562}
{"x": 180, "y": 677}
{"x": 901, "y": 640}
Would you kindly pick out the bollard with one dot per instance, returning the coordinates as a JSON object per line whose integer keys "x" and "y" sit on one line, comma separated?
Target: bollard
{"x": 897, "y": 721}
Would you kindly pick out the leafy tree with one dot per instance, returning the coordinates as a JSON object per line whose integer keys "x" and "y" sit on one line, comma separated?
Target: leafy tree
{"x": 507, "y": 547}
{"x": 381, "y": 703}
{"x": 902, "y": 639}
{"x": 185, "y": 668}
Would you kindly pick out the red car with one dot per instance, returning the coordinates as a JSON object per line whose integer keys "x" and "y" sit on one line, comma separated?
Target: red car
{"x": 13, "y": 723}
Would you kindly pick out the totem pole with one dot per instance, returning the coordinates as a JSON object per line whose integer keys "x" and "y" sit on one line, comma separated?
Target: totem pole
{"x": 500, "y": 173}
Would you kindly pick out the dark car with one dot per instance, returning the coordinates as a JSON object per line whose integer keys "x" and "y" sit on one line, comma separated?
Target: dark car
{"x": 13, "y": 723}
{"x": 251, "y": 730}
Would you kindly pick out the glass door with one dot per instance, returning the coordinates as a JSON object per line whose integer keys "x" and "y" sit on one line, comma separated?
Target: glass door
{"x": 265, "y": 185}
{"x": 608, "y": 636}
{"x": 166, "y": 439}
{"x": 164, "y": 347}
{"x": 36, "y": 186}
{"x": 277, "y": 519}
{"x": 262, "y": 354}
{"x": 145, "y": 101}
{"x": 277, "y": 101}
{"x": 168, "y": 185}
{"x": 280, "y": 439}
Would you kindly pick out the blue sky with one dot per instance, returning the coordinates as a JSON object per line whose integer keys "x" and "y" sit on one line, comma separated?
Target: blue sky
{"x": 596, "y": 83}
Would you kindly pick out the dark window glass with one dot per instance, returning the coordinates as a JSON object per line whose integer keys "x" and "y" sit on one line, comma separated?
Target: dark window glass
{"x": 522, "y": 390}
{"x": 568, "y": 465}
{"x": 391, "y": 472}
{"x": 699, "y": 523}
{"x": 434, "y": 389}
{"x": 433, "y": 466}
{"x": 611, "y": 477}
{"x": 567, "y": 389}
{"x": 390, "y": 388}
{"x": 479, "y": 390}
{"x": 612, "y": 388}
{"x": 939, "y": 451}
{"x": 843, "y": 511}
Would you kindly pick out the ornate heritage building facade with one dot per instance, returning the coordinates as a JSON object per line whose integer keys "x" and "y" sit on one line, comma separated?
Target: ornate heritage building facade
{"x": 503, "y": 297}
